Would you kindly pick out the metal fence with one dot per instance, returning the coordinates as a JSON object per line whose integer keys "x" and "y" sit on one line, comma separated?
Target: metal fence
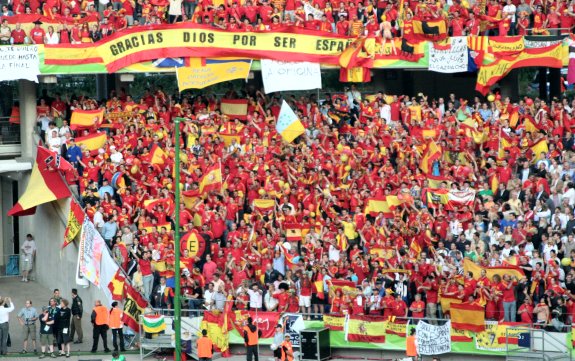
{"x": 9, "y": 132}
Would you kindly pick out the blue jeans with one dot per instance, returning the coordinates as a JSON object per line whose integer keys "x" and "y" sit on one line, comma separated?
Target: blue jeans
{"x": 189, "y": 8}
{"x": 509, "y": 311}
{"x": 148, "y": 284}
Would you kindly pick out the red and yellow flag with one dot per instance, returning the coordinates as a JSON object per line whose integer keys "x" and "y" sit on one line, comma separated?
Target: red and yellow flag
{"x": 366, "y": 329}
{"x": 116, "y": 286}
{"x": 540, "y": 147}
{"x": 227, "y": 138}
{"x": 355, "y": 75}
{"x": 432, "y": 153}
{"x": 75, "y": 220}
{"x": 334, "y": 322}
{"x": 235, "y": 108}
{"x": 349, "y": 57}
{"x": 158, "y": 155}
{"x": 506, "y": 45}
{"x": 488, "y": 75}
{"x": 469, "y": 266}
{"x": 134, "y": 306}
{"x": 92, "y": 142}
{"x": 465, "y": 316}
{"x": 46, "y": 184}
{"x": 82, "y": 119}
{"x": 264, "y": 205}
{"x": 446, "y": 302}
{"x": 211, "y": 181}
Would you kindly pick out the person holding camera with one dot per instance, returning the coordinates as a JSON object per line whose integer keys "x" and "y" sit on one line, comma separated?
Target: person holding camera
{"x": 27, "y": 318}
{"x": 6, "y": 306}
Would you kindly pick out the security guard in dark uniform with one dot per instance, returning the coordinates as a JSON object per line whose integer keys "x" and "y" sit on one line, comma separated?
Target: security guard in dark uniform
{"x": 251, "y": 339}
{"x": 77, "y": 312}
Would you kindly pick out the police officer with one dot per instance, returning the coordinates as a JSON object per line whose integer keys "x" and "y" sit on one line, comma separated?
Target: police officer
{"x": 77, "y": 311}
{"x": 251, "y": 339}
{"x": 205, "y": 347}
{"x": 100, "y": 319}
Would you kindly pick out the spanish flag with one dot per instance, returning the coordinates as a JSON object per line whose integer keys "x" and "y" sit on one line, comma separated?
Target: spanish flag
{"x": 335, "y": 322}
{"x": 293, "y": 232}
{"x": 431, "y": 154}
{"x": 540, "y": 147}
{"x": 75, "y": 219}
{"x": 488, "y": 75}
{"x": 14, "y": 115}
{"x": 385, "y": 253}
{"x": 446, "y": 302}
{"x": 506, "y": 45}
{"x": 343, "y": 285}
{"x": 82, "y": 119}
{"x": 116, "y": 286}
{"x": 211, "y": 181}
{"x": 150, "y": 227}
{"x": 264, "y": 205}
{"x": 469, "y": 266}
{"x": 203, "y": 72}
{"x": 46, "y": 184}
{"x": 430, "y": 30}
{"x": 158, "y": 155}
{"x": 190, "y": 198}
{"x": 437, "y": 196}
{"x": 349, "y": 57}
{"x": 217, "y": 328}
{"x": 92, "y": 142}
{"x": 288, "y": 124}
{"x": 530, "y": 125}
{"x": 235, "y": 108}
{"x": 436, "y": 181}
{"x": 465, "y": 316}
{"x": 355, "y": 75}
{"x": 227, "y": 138}
{"x": 366, "y": 329}
{"x": 134, "y": 306}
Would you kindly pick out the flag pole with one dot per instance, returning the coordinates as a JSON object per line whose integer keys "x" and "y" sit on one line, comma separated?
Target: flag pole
{"x": 177, "y": 271}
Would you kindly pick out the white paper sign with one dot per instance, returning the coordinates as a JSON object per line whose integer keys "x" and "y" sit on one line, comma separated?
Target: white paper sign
{"x": 309, "y": 9}
{"x": 280, "y": 76}
{"x": 452, "y": 60}
{"x": 91, "y": 247}
{"x": 19, "y": 62}
{"x": 433, "y": 340}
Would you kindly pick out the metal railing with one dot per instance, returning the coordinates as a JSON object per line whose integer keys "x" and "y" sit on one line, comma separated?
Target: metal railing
{"x": 9, "y": 132}
{"x": 534, "y": 343}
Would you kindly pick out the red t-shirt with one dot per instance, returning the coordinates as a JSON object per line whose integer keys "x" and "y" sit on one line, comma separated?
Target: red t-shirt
{"x": 145, "y": 267}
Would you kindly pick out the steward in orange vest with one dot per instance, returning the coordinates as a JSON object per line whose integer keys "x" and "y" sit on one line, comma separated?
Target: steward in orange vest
{"x": 205, "y": 347}
{"x": 116, "y": 325}
{"x": 100, "y": 320}
{"x": 410, "y": 345}
{"x": 251, "y": 339}
{"x": 287, "y": 349}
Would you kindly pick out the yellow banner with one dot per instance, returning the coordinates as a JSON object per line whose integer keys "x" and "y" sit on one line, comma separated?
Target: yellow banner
{"x": 203, "y": 73}
{"x": 181, "y": 40}
{"x": 506, "y": 44}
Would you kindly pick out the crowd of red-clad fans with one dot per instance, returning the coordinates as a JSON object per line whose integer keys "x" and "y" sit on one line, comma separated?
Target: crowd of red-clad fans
{"x": 82, "y": 22}
{"x": 355, "y": 148}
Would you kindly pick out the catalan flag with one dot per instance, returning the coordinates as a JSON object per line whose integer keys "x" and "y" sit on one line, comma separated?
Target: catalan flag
{"x": 288, "y": 124}
{"x": 431, "y": 154}
{"x": 202, "y": 72}
{"x": 235, "y": 108}
{"x": 92, "y": 142}
{"x": 46, "y": 184}
{"x": 264, "y": 205}
{"x": 211, "y": 181}
{"x": 466, "y": 316}
{"x": 158, "y": 155}
{"x": 366, "y": 329}
{"x": 83, "y": 119}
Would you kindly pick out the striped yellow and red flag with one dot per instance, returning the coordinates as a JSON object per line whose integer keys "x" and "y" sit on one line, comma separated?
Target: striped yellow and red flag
{"x": 366, "y": 329}
{"x": 150, "y": 227}
{"x": 374, "y": 206}
{"x": 82, "y": 119}
{"x": 92, "y": 142}
{"x": 46, "y": 185}
{"x": 357, "y": 74}
{"x": 158, "y": 155}
{"x": 530, "y": 124}
{"x": 211, "y": 181}
{"x": 190, "y": 198}
{"x": 235, "y": 108}
{"x": 506, "y": 45}
{"x": 469, "y": 266}
{"x": 466, "y": 316}
{"x": 488, "y": 75}
{"x": 75, "y": 219}
{"x": 264, "y": 205}
{"x": 227, "y": 138}
{"x": 116, "y": 286}
{"x": 343, "y": 285}
{"x": 349, "y": 57}
{"x": 436, "y": 181}
{"x": 385, "y": 253}
{"x": 334, "y": 322}
{"x": 446, "y": 302}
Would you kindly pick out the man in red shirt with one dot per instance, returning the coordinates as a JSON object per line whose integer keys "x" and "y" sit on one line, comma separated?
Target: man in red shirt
{"x": 37, "y": 33}
{"x": 417, "y": 307}
{"x": 18, "y": 35}
{"x": 146, "y": 270}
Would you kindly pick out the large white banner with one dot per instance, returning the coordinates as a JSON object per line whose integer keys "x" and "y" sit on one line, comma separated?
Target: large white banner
{"x": 309, "y": 9}
{"x": 280, "y": 76}
{"x": 433, "y": 340}
{"x": 452, "y": 60}
{"x": 91, "y": 247}
{"x": 19, "y": 62}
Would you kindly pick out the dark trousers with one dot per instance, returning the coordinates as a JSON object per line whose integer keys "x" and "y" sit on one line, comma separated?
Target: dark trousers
{"x": 252, "y": 351}
{"x": 100, "y": 330}
{"x": 117, "y": 332}
{"x": 76, "y": 326}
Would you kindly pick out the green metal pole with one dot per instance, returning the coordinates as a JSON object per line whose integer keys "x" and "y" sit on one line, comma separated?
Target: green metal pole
{"x": 177, "y": 302}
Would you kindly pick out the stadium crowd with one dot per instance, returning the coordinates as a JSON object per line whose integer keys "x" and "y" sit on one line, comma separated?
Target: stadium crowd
{"x": 356, "y": 148}
{"x": 76, "y": 22}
